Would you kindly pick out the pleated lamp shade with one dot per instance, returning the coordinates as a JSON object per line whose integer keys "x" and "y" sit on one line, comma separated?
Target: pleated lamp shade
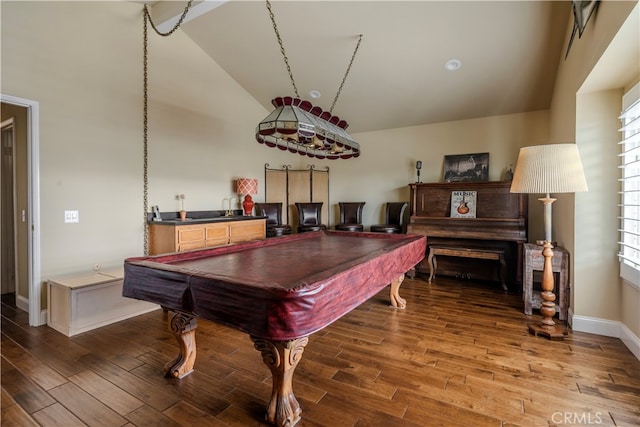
{"x": 546, "y": 169}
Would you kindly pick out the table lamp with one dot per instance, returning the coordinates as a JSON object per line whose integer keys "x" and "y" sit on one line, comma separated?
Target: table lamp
{"x": 247, "y": 186}
{"x": 546, "y": 169}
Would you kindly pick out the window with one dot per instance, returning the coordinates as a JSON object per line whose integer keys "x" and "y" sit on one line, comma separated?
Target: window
{"x": 630, "y": 187}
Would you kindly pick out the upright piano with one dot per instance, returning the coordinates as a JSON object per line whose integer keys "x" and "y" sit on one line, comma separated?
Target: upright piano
{"x": 499, "y": 223}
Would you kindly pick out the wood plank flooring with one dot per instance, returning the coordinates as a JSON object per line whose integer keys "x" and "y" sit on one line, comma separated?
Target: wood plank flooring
{"x": 459, "y": 355}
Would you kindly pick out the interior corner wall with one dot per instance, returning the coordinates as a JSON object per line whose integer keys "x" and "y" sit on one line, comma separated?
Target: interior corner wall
{"x": 568, "y": 211}
{"x": 597, "y": 211}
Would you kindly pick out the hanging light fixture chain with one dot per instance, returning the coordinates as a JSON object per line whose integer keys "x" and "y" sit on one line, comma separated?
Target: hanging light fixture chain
{"x": 346, "y": 74}
{"x": 284, "y": 55}
{"x": 175, "y": 27}
{"x": 145, "y": 137}
{"x": 286, "y": 60}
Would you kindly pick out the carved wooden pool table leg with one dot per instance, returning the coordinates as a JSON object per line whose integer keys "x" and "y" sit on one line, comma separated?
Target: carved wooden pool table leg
{"x": 282, "y": 357}
{"x": 183, "y": 327}
{"x": 394, "y": 294}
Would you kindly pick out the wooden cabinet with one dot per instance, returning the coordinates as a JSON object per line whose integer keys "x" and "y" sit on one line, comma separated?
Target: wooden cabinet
{"x": 500, "y": 225}
{"x": 220, "y": 234}
{"x": 176, "y": 237}
{"x": 247, "y": 230}
{"x": 189, "y": 237}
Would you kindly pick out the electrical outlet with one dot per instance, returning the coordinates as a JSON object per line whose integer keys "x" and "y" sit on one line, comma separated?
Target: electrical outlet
{"x": 71, "y": 216}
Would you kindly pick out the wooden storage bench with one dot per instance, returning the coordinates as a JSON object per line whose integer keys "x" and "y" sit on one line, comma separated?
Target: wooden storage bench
{"x": 81, "y": 303}
{"x": 477, "y": 253}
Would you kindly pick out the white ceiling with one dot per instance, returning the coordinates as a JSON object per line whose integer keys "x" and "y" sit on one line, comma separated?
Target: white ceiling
{"x": 510, "y": 51}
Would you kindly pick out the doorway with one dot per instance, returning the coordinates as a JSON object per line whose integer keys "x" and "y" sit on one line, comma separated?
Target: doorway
{"x": 8, "y": 260}
{"x": 20, "y": 213}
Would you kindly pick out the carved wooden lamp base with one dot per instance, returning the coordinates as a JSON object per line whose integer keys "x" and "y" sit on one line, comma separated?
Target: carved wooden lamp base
{"x": 547, "y": 327}
{"x": 554, "y": 333}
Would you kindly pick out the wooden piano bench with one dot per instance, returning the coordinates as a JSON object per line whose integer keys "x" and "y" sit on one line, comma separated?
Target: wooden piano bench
{"x": 478, "y": 253}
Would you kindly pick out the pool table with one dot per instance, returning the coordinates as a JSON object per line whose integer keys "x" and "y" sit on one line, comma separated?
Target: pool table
{"x": 279, "y": 291}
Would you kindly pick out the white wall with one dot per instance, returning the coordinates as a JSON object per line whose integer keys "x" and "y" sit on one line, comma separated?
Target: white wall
{"x": 596, "y": 216}
{"x": 83, "y": 62}
{"x": 387, "y": 164}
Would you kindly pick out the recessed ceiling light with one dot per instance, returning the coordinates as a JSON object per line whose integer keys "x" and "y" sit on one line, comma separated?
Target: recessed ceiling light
{"x": 314, "y": 94}
{"x": 453, "y": 65}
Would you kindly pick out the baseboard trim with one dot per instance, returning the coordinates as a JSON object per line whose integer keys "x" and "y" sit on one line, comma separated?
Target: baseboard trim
{"x": 630, "y": 340}
{"x": 22, "y": 303}
{"x": 607, "y": 328}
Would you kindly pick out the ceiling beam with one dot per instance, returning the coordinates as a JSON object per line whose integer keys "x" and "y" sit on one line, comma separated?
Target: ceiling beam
{"x": 167, "y": 13}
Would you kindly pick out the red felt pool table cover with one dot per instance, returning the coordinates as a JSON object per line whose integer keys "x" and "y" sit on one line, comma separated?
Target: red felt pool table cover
{"x": 280, "y": 288}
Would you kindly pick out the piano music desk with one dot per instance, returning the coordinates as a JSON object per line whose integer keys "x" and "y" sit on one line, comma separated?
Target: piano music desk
{"x": 478, "y": 253}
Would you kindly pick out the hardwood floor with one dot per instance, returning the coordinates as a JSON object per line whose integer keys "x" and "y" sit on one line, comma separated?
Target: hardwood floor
{"x": 459, "y": 355}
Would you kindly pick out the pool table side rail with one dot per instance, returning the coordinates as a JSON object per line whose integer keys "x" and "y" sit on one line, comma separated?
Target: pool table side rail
{"x": 267, "y": 312}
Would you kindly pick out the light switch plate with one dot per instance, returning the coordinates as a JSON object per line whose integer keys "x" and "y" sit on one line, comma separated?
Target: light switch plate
{"x": 71, "y": 216}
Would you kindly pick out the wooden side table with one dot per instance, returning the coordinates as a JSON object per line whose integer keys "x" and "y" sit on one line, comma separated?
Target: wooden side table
{"x": 534, "y": 261}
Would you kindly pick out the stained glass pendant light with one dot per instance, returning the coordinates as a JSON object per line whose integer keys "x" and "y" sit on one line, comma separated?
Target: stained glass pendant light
{"x": 300, "y": 127}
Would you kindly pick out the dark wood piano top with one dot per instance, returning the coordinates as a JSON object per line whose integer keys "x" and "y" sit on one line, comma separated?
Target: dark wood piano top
{"x": 494, "y": 200}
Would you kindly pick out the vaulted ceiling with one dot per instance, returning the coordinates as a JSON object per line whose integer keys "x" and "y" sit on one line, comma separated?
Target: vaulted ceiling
{"x": 509, "y": 53}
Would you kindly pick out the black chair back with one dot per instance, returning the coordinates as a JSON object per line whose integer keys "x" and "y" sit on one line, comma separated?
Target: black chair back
{"x": 309, "y": 213}
{"x": 351, "y": 212}
{"x": 273, "y": 212}
{"x": 274, "y": 225}
{"x": 310, "y": 217}
{"x": 395, "y": 212}
{"x": 350, "y": 216}
{"x": 393, "y": 218}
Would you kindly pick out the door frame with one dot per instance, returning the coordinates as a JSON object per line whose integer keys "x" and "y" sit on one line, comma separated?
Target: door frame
{"x": 36, "y": 316}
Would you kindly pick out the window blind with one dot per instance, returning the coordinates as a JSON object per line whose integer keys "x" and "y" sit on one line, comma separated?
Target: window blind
{"x": 630, "y": 180}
